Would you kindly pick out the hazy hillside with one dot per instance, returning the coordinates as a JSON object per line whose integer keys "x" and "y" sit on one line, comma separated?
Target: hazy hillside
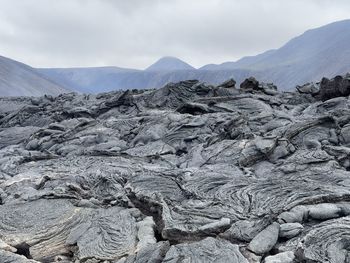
{"x": 17, "y": 79}
{"x": 90, "y": 80}
{"x": 319, "y": 52}
{"x": 95, "y": 80}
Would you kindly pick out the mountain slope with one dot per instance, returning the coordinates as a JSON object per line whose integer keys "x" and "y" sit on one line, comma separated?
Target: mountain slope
{"x": 319, "y": 52}
{"x": 324, "y": 51}
{"x": 17, "y": 79}
{"x": 89, "y": 80}
{"x": 104, "y": 79}
{"x": 169, "y": 64}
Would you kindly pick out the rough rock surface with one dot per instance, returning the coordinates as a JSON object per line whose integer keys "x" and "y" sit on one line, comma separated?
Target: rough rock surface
{"x": 337, "y": 87}
{"x": 265, "y": 240}
{"x": 208, "y": 249}
{"x": 284, "y": 257}
{"x": 187, "y": 173}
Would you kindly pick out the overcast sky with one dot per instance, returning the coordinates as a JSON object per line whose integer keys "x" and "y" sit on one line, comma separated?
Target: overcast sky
{"x": 135, "y": 33}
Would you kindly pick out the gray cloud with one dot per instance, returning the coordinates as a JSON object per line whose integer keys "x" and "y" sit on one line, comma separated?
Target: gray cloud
{"x": 134, "y": 33}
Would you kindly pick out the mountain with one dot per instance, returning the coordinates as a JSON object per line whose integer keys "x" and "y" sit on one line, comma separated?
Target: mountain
{"x": 169, "y": 64}
{"x": 96, "y": 80}
{"x": 18, "y": 79}
{"x": 91, "y": 80}
{"x": 324, "y": 51}
{"x": 244, "y": 62}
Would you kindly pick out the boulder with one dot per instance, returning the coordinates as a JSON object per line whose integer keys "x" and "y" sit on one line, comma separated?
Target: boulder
{"x": 290, "y": 230}
{"x": 207, "y": 250}
{"x": 284, "y": 257}
{"x": 229, "y": 84}
{"x": 265, "y": 240}
{"x": 339, "y": 86}
{"x": 324, "y": 211}
{"x": 309, "y": 88}
{"x": 250, "y": 84}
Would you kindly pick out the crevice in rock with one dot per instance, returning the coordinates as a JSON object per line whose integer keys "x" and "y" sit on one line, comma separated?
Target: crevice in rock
{"x": 150, "y": 209}
{"x": 23, "y": 249}
{"x": 158, "y": 235}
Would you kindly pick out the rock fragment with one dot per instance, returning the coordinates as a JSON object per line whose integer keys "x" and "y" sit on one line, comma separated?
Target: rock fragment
{"x": 290, "y": 230}
{"x": 207, "y": 250}
{"x": 339, "y": 86}
{"x": 284, "y": 257}
{"x": 265, "y": 240}
{"x": 229, "y": 84}
{"x": 324, "y": 211}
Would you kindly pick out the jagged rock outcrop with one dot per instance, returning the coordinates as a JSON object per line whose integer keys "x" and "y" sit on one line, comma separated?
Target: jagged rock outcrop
{"x": 189, "y": 172}
{"x": 336, "y": 87}
{"x": 230, "y": 84}
{"x": 339, "y": 86}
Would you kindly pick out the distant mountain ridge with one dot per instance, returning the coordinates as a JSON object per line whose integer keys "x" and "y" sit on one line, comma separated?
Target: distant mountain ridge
{"x": 324, "y": 51}
{"x": 101, "y": 80}
{"x": 89, "y": 80}
{"x": 319, "y": 52}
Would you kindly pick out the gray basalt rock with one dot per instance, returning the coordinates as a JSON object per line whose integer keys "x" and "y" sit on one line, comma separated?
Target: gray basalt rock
{"x": 253, "y": 85}
{"x": 290, "y": 230}
{"x": 207, "y": 250}
{"x": 15, "y": 135}
{"x": 250, "y": 84}
{"x": 50, "y": 228}
{"x": 324, "y": 211}
{"x": 284, "y": 257}
{"x": 244, "y": 230}
{"x": 152, "y": 253}
{"x": 110, "y": 235}
{"x": 230, "y": 84}
{"x": 309, "y": 88}
{"x": 189, "y": 171}
{"x": 8, "y": 257}
{"x": 325, "y": 242}
{"x": 265, "y": 240}
{"x": 339, "y": 86}
{"x": 30, "y": 224}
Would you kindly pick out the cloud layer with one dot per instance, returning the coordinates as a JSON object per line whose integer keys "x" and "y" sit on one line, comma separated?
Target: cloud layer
{"x": 135, "y": 33}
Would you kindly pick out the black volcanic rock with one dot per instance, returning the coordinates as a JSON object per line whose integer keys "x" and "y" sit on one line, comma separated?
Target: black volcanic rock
{"x": 250, "y": 84}
{"x": 230, "y": 83}
{"x": 309, "y": 88}
{"x": 339, "y": 86}
{"x": 188, "y": 172}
